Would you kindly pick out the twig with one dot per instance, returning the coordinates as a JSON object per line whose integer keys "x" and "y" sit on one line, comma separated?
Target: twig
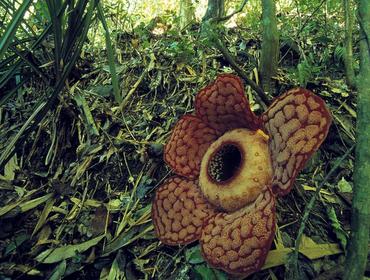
{"x": 308, "y": 208}
{"x": 308, "y": 19}
{"x": 219, "y": 44}
{"x": 261, "y": 97}
{"x": 225, "y": 18}
{"x": 304, "y": 25}
{"x": 132, "y": 90}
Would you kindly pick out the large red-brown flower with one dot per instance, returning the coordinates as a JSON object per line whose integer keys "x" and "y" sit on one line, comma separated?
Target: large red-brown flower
{"x": 230, "y": 166}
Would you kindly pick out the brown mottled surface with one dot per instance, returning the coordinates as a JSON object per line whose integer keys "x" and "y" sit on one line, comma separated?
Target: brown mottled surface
{"x": 236, "y": 242}
{"x": 297, "y": 122}
{"x": 178, "y": 211}
{"x": 189, "y": 141}
{"x": 224, "y": 106}
{"x": 239, "y": 242}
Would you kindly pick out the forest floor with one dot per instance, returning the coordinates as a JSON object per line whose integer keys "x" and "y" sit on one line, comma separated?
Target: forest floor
{"x": 83, "y": 182}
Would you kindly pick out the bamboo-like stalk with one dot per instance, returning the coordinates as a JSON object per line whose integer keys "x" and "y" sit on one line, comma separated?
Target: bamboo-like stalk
{"x": 348, "y": 55}
{"x": 358, "y": 244}
{"x": 270, "y": 45}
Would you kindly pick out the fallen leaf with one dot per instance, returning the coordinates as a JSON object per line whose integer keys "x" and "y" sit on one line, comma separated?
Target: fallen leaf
{"x": 65, "y": 252}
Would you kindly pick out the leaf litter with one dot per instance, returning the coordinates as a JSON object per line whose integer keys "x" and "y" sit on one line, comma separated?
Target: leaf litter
{"x": 76, "y": 196}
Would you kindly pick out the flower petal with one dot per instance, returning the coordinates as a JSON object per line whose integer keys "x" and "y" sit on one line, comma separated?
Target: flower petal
{"x": 238, "y": 243}
{"x": 223, "y": 105}
{"x": 298, "y": 122}
{"x": 178, "y": 211}
{"x": 189, "y": 141}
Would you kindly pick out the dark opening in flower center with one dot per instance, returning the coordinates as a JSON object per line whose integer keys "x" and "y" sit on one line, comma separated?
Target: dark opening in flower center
{"x": 224, "y": 163}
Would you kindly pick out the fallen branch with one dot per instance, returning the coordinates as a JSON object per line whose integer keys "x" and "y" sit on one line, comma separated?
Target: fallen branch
{"x": 262, "y": 97}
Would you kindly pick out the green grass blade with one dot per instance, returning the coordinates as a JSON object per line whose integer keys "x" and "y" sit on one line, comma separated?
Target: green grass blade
{"x": 56, "y": 21}
{"x": 11, "y": 29}
{"x": 9, "y": 150}
{"x": 41, "y": 111}
{"x": 5, "y": 97}
{"x": 19, "y": 62}
{"x": 75, "y": 26}
{"x": 110, "y": 52}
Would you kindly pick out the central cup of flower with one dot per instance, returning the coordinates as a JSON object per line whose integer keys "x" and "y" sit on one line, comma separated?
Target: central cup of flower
{"x": 235, "y": 169}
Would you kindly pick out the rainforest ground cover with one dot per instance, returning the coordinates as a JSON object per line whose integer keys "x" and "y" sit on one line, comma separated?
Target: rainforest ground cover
{"x": 89, "y": 93}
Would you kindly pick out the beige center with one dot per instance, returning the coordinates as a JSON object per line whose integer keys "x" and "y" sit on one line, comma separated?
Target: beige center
{"x": 235, "y": 168}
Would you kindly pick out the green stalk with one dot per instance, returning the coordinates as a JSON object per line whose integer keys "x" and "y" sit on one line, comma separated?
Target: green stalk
{"x": 110, "y": 52}
{"x": 358, "y": 244}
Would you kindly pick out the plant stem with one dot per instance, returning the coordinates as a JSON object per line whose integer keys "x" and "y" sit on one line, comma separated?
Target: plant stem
{"x": 358, "y": 243}
{"x": 307, "y": 211}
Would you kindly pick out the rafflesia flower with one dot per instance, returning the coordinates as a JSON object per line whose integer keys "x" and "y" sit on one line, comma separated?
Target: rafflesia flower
{"x": 231, "y": 165}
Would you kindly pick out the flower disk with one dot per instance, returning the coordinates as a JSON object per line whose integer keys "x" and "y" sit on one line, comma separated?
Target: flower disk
{"x": 178, "y": 211}
{"x": 235, "y": 168}
{"x": 239, "y": 242}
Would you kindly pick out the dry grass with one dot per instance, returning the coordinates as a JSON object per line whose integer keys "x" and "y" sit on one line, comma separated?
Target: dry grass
{"x": 89, "y": 172}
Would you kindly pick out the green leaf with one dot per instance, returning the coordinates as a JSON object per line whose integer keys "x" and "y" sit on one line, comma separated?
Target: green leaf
{"x": 337, "y": 228}
{"x": 44, "y": 214}
{"x": 14, "y": 244}
{"x": 193, "y": 255}
{"x": 59, "y": 271}
{"x": 145, "y": 185}
{"x": 204, "y": 272}
{"x": 344, "y": 186}
{"x": 103, "y": 90}
{"x": 10, "y": 167}
{"x": 220, "y": 275}
{"x": 65, "y": 252}
{"x": 28, "y": 205}
{"x": 303, "y": 271}
{"x": 336, "y": 90}
{"x": 11, "y": 29}
{"x": 88, "y": 118}
{"x": 116, "y": 271}
{"x": 125, "y": 238}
